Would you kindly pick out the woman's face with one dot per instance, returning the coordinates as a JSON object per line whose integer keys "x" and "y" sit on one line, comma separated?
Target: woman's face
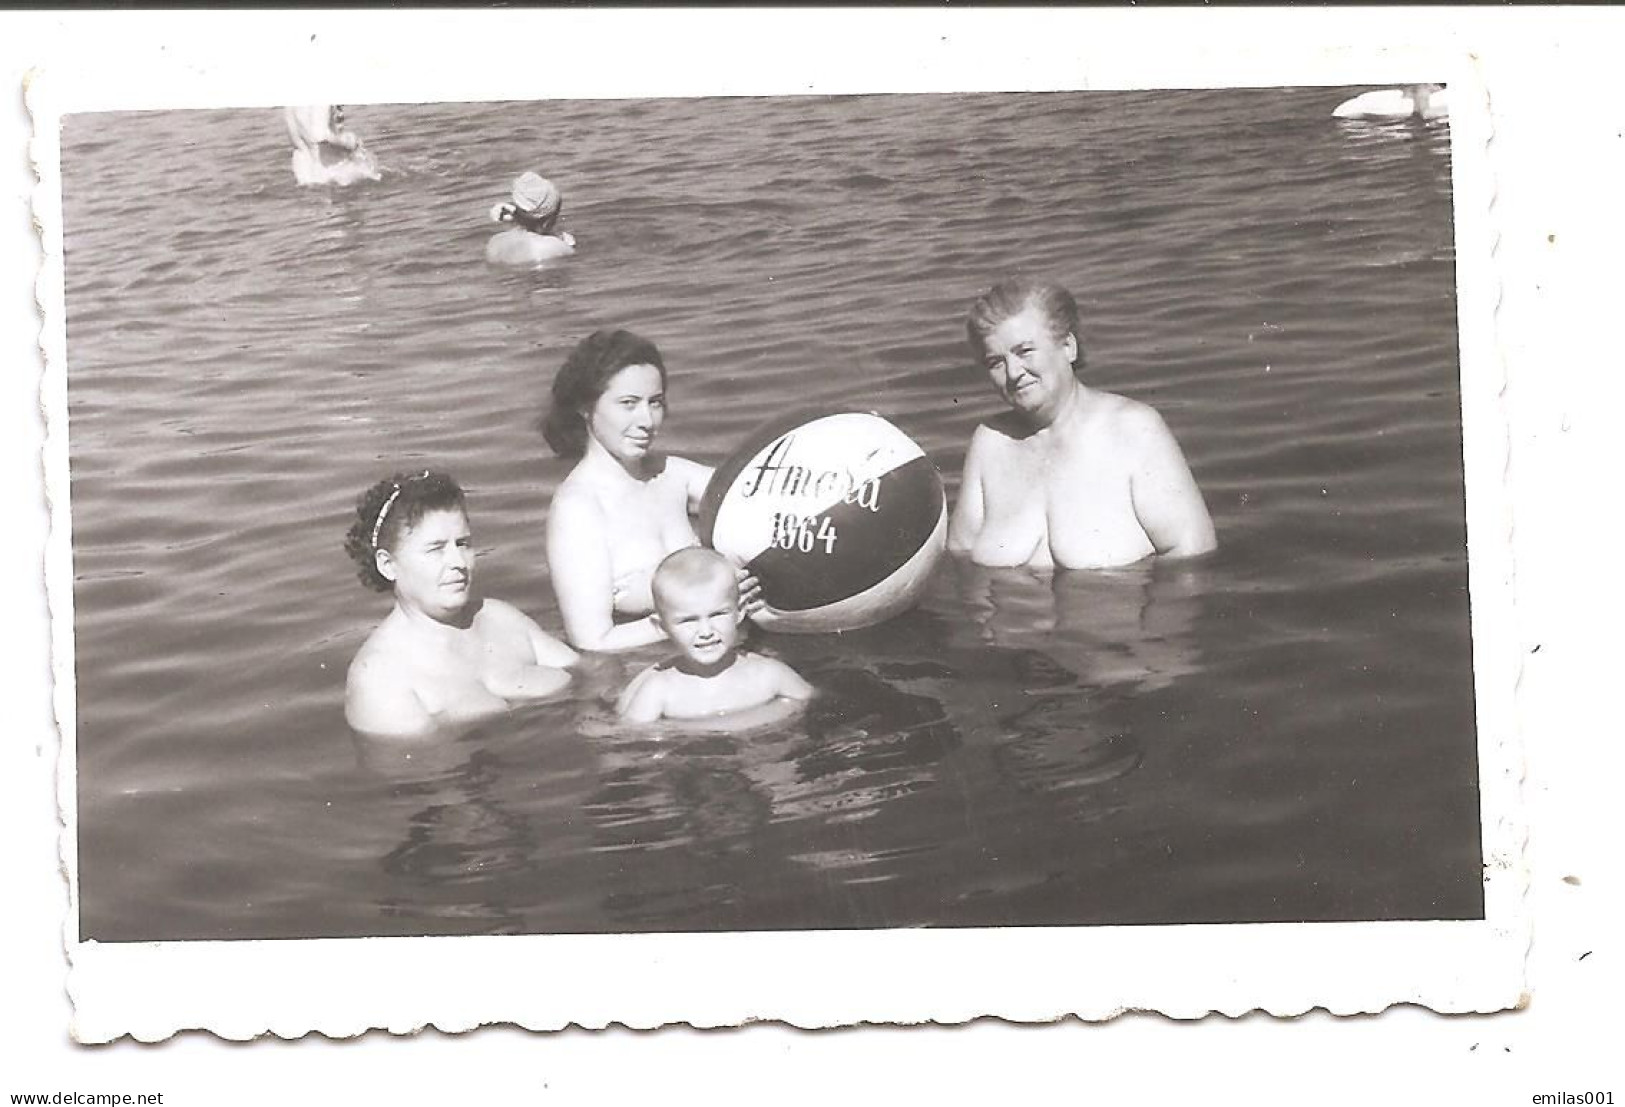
{"x": 1028, "y": 365}
{"x": 627, "y": 417}
{"x": 432, "y": 564}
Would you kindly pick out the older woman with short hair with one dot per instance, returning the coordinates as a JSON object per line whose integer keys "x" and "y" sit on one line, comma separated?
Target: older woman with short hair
{"x": 1069, "y": 477}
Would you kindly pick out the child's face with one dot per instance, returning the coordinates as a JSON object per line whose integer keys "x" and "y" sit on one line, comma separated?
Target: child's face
{"x": 702, "y": 619}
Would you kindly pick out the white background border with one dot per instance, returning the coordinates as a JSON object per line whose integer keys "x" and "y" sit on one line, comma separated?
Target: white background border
{"x": 1558, "y": 152}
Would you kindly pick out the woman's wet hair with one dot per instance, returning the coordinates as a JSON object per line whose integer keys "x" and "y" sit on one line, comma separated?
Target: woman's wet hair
{"x": 390, "y": 508}
{"x": 1011, "y": 297}
{"x": 582, "y": 379}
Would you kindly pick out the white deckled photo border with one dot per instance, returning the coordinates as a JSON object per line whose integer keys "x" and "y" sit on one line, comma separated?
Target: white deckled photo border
{"x": 342, "y": 987}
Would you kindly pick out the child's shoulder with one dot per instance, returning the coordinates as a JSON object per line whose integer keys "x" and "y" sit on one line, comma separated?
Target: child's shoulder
{"x": 785, "y": 680}
{"x": 661, "y": 670}
{"x": 760, "y": 667}
{"x": 643, "y": 699}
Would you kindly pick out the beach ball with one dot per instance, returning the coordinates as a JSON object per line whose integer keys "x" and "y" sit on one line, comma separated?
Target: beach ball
{"x": 840, "y": 515}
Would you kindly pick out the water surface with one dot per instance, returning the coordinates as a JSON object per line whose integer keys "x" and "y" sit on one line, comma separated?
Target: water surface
{"x": 1281, "y": 732}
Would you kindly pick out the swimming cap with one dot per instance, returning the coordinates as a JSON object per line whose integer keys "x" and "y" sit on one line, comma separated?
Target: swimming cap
{"x": 536, "y": 195}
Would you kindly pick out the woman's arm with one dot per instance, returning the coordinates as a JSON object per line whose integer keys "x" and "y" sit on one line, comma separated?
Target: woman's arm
{"x": 578, "y": 561}
{"x": 548, "y": 650}
{"x": 1166, "y": 499}
{"x": 696, "y": 478}
{"x": 544, "y": 648}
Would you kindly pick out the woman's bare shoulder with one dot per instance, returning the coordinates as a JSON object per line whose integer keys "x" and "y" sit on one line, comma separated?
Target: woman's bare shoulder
{"x": 382, "y": 663}
{"x": 575, "y": 483}
{"x": 386, "y": 644}
{"x": 998, "y": 431}
{"x": 577, "y": 496}
{"x": 684, "y": 468}
{"x": 380, "y": 696}
{"x": 501, "y": 613}
{"x": 1114, "y": 405}
{"x": 1130, "y": 417}
{"x": 690, "y": 476}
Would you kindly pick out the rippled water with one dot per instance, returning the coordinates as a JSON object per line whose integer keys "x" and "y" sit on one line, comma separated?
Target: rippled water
{"x": 1282, "y": 732}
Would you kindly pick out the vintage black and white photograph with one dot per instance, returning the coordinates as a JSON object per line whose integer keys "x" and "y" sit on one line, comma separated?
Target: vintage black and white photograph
{"x": 1035, "y": 512}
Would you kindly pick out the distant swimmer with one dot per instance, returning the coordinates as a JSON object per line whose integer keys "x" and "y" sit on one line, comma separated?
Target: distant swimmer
{"x": 534, "y": 213}
{"x": 324, "y": 150}
{"x": 1410, "y": 102}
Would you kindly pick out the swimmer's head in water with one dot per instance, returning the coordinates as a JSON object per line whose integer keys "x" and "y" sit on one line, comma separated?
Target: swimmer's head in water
{"x": 536, "y": 204}
{"x": 390, "y": 508}
{"x": 696, "y": 595}
{"x": 1010, "y": 298}
{"x": 1421, "y": 97}
{"x": 582, "y": 379}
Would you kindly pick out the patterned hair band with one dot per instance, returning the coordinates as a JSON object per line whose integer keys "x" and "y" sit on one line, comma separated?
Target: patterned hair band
{"x": 383, "y": 512}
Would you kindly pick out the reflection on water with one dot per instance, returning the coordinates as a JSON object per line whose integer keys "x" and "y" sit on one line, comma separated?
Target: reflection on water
{"x": 718, "y": 814}
{"x": 1129, "y": 629}
{"x": 853, "y": 812}
{"x": 467, "y": 839}
{"x": 458, "y": 849}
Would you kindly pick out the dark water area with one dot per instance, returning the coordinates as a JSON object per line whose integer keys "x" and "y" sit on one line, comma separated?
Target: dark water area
{"x": 1281, "y": 732}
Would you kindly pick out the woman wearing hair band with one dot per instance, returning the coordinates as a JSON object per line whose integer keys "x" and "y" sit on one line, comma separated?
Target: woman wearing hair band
{"x": 625, "y": 505}
{"x": 444, "y": 654}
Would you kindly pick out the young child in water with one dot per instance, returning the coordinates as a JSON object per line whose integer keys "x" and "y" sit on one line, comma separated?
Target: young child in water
{"x": 696, "y": 599}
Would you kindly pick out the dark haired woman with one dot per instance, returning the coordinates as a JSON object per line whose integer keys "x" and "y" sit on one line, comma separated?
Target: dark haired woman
{"x": 625, "y": 505}
{"x": 444, "y": 654}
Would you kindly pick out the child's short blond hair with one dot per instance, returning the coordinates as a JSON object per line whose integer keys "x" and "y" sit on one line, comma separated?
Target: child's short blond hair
{"x": 688, "y": 568}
